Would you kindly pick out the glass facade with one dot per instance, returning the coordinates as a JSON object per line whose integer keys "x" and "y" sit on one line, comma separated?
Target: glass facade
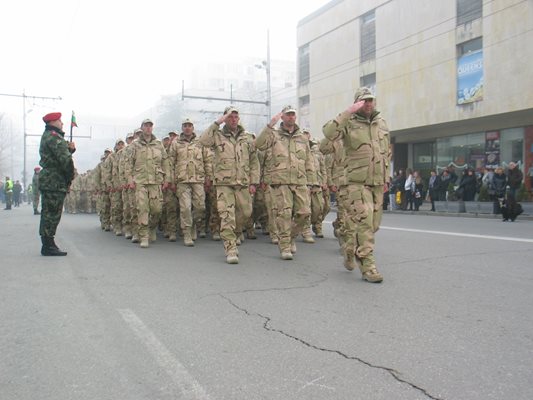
{"x": 471, "y": 150}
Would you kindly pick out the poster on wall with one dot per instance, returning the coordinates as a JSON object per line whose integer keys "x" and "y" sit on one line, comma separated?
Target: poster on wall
{"x": 492, "y": 149}
{"x": 470, "y": 78}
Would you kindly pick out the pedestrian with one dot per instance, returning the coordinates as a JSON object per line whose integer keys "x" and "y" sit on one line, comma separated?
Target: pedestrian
{"x": 367, "y": 161}
{"x": 8, "y": 193}
{"x": 467, "y": 186}
{"x": 409, "y": 189}
{"x": 54, "y": 180}
{"x": 433, "y": 188}
{"x": 236, "y": 176}
{"x": 291, "y": 174}
{"x": 418, "y": 191}
{"x": 148, "y": 172}
{"x": 497, "y": 187}
{"x": 514, "y": 179}
{"x": 445, "y": 181}
{"x": 17, "y": 191}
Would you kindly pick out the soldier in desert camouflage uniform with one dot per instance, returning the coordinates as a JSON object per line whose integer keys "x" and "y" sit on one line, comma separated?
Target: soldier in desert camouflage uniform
{"x": 291, "y": 171}
{"x": 366, "y": 168}
{"x": 148, "y": 173}
{"x": 236, "y": 171}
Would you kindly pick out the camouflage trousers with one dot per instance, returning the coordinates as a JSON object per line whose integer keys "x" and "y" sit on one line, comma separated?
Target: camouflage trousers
{"x": 192, "y": 206}
{"x": 117, "y": 209}
{"x": 105, "y": 210}
{"x": 170, "y": 213}
{"x": 338, "y": 224}
{"x": 51, "y": 209}
{"x": 36, "y": 199}
{"x": 363, "y": 208}
{"x": 327, "y": 203}
{"x": 293, "y": 211}
{"x": 149, "y": 199}
{"x": 272, "y": 212}
{"x": 317, "y": 206}
{"x": 129, "y": 211}
{"x": 211, "y": 206}
{"x": 234, "y": 204}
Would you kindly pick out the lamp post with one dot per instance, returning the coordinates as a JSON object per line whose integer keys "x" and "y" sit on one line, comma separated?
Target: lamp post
{"x": 265, "y": 64}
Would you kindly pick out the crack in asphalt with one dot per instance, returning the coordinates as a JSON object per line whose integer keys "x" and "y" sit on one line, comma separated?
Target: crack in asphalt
{"x": 395, "y": 374}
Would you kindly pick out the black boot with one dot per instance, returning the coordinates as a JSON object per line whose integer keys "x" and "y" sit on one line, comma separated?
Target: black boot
{"x": 49, "y": 248}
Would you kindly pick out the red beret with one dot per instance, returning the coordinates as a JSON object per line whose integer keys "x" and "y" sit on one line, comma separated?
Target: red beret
{"x": 52, "y": 117}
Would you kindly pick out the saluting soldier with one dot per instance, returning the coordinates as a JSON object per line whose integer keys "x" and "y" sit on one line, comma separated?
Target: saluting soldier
{"x": 54, "y": 180}
{"x": 236, "y": 170}
{"x": 292, "y": 170}
{"x": 366, "y": 140}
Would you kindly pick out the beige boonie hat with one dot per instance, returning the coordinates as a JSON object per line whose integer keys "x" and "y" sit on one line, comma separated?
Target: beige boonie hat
{"x": 187, "y": 121}
{"x": 108, "y": 150}
{"x": 231, "y": 109}
{"x": 138, "y": 130}
{"x": 288, "y": 109}
{"x": 173, "y": 133}
{"x": 363, "y": 93}
{"x": 119, "y": 141}
{"x": 147, "y": 121}
{"x": 130, "y": 135}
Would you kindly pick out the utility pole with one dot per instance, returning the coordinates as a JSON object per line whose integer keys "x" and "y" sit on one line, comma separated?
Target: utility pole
{"x": 24, "y": 96}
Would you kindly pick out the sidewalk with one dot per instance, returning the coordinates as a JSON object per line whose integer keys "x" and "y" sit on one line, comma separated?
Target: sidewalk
{"x": 426, "y": 207}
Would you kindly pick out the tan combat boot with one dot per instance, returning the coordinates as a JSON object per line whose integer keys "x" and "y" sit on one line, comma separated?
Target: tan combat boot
{"x": 216, "y": 236}
{"x": 349, "y": 261}
{"x": 293, "y": 246}
{"x": 286, "y": 255}
{"x": 172, "y": 237}
{"x": 145, "y": 243}
{"x": 187, "y": 239}
{"x": 308, "y": 236}
{"x": 153, "y": 235}
{"x": 372, "y": 275}
{"x": 232, "y": 258}
{"x": 318, "y": 231}
{"x": 135, "y": 239}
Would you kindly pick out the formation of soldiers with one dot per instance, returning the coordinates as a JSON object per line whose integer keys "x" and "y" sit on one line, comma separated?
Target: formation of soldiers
{"x": 226, "y": 183}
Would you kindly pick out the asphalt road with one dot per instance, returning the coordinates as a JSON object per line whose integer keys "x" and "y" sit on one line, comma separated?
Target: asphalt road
{"x": 452, "y": 320}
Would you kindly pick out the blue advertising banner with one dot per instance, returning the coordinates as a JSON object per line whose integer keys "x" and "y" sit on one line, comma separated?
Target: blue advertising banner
{"x": 470, "y": 78}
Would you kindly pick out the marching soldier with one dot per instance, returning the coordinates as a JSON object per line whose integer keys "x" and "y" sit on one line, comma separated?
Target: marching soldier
{"x": 147, "y": 170}
{"x": 54, "y": 180}
{"x": 117, "y": 207}
{"x": 190, "y": 161}
{"x": 292, "y": 170}
{"x": 236, "y": 171}
{"x": 35, "y": 190}
{"x": 366, "y": 168}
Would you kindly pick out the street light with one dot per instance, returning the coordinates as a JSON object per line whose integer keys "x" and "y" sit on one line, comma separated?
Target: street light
{"x": 265, "y": 64}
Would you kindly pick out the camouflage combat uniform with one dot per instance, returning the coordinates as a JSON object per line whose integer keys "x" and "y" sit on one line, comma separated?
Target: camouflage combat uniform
{"x": 290, "y": 171}
{"x": 235, "y": 168}
{"x": 366, "y": 169}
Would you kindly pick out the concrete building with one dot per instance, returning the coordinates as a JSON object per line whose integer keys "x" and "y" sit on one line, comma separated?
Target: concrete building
{"x": 453, "y": 77}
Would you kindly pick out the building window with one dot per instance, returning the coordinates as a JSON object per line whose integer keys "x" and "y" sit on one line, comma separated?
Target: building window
{"x": 424, "y": 157}
{"x": 470, "y": 46}
{"x": 469, "y": 10}
{"x": 369, "y": 81}
{"x": 461, "y": 151}
{"x": 368, "y": 36}
{"x": 303, "y": 65}
{"x": 304, "y": 101}
{"x": 512, "y": 145}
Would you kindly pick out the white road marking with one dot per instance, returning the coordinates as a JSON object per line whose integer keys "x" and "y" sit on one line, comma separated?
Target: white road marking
{"x": 470, "y": 235}
{"x": 189, "y": 387}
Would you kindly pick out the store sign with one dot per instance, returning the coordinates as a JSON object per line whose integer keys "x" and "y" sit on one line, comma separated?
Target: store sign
{"x": 492, "y": 149}
{"x": 470, "y": 78}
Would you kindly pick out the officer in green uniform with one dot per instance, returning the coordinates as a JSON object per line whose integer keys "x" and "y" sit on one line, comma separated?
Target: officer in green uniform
{"x": 54, "y": 180}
